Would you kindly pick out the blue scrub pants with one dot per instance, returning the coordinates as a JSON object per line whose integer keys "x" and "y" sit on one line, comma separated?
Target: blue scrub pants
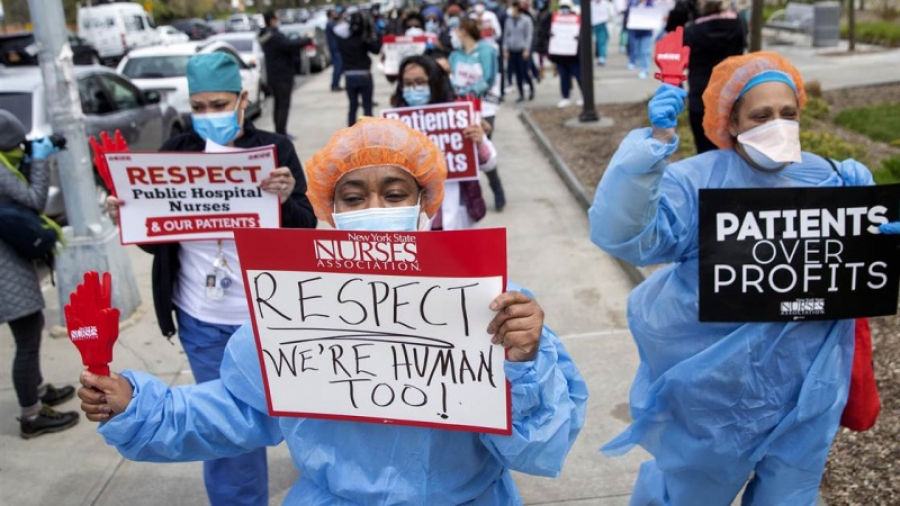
{"x": 601, "y": 38}
{"x": 774, "y": 481}
{"x": 242, "y": 480}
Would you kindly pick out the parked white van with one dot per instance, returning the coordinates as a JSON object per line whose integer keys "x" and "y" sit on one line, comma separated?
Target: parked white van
{"x": 116, "y": 28}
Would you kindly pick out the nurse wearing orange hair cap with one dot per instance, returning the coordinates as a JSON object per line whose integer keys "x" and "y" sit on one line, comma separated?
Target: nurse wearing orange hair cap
{"x": 377, "y": 175}
{"x": 721, "y": 405}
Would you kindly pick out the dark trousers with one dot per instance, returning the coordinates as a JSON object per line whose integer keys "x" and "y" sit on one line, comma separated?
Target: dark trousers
{"x": 520, "y": 69}
{"x": 566, "y": 72}
{"x": 700, "y": 140}
{"x": 501, "y": 71}
{"x": 281, "y": 92}
{"x": 27, "y": 364}
{"x": 337, "y": 68}
{"x": 358, "y": 85}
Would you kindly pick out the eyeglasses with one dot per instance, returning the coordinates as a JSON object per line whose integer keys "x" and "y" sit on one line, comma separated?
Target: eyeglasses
{"x": 417, "y": 82}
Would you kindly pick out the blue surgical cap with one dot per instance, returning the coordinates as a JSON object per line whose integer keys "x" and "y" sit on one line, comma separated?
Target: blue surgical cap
{"x": 766, "y": 77}
{"x": 213, "y": 72}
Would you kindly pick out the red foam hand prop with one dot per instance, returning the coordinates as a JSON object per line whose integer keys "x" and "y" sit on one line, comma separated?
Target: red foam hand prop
{"x": 93, "y": 325}
{"x": 107, "y": 145}
{"x": 672, "y": 58}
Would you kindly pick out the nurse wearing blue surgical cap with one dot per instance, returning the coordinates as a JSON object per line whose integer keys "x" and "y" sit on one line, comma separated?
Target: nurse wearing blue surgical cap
{"x": 200, "y": 281}
{"x": 717, "y": 403}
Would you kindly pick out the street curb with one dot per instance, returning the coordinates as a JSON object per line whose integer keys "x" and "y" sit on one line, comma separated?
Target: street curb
{"x": 581, "y": 195}
{"x": 574, "y": 184}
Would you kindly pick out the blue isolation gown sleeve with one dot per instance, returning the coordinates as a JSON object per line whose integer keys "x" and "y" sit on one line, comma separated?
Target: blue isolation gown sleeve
{"x": 188, "y": 423}
{"x": 548, "y": 407}
{"x": 631, "y": 217}
{"x": 487, "y": 58}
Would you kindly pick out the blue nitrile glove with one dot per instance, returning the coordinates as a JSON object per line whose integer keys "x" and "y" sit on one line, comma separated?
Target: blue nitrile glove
{"x": 890, "y": 228}
{"x": 666, "y": 105}
{"x": 43, "y": 148}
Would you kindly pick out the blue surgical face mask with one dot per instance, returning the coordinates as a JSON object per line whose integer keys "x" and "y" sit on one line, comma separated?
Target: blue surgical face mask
{"x": 417, "y": 95}
{"x": 219, "y": 127}
{"x": 379, "y": 219}
{"x": 432, "y": 26}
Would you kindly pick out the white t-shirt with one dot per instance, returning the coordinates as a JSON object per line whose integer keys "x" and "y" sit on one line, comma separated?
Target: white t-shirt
{"x": 190, "y": 294}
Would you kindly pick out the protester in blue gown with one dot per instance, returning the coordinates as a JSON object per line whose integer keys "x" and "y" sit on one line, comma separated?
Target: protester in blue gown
{"x": 344, "y": 463}
{"x": 715, "y": 403}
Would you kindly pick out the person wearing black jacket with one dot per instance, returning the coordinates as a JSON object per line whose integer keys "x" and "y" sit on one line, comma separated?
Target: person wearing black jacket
{"x": 717, "y": 34}
{"x": 201, "y": 281}
{"x": 281, "y": 55}
{"x": 356, "y": 39}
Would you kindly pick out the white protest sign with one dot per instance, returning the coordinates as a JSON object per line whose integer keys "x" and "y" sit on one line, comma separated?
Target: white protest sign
{"x": 398, "y": 47}
{"x": 564, "y": 30}
{"x": 192, "y": 196}
{"x": 642, "y": 17}
{"x": 379, "y": 327}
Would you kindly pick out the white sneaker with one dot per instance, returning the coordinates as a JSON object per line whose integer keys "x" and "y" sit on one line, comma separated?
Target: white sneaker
{"x": 564, "y": 103}
{"x": 579, "y": 102}
{"x": 642, "y": 75}
{"x": 631, "y": 66}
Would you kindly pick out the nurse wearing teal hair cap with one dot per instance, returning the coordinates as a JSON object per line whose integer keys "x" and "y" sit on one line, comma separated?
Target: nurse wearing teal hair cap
{"x": 200, "y": 281}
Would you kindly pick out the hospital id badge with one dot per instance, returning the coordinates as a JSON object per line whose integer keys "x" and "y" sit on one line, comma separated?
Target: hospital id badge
{"x": 215, "y": 289}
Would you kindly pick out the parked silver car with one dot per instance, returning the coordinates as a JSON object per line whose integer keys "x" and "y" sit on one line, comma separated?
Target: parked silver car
{"x": 109, "y": 101}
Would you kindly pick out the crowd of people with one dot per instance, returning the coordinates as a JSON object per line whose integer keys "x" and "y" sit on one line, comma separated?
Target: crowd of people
{"x": 718, "y": 406}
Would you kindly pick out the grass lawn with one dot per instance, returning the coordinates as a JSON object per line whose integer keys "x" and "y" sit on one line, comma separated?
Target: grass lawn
{"x": 881, "y": 123}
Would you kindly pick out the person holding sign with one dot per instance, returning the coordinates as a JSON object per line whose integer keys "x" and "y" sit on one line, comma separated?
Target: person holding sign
{"x": 715, "y": 403}
{"x": 423, "y": 82}
{"x": 200, "y": 281}
{"x": 376, "y": 176}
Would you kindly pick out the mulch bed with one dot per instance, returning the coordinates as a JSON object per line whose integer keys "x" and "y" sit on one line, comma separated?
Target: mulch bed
{"x": 863, "y": 468}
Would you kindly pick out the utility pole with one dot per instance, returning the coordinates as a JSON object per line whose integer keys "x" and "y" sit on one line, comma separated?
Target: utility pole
{"x": 756, "y": 22}
{"x": 585, "y": 43}
{"x": 92, "y": 244}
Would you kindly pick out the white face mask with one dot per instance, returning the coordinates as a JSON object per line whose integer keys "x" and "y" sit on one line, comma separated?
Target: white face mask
{"x": 772, "y": 145}
{"x": 479, "y": 8}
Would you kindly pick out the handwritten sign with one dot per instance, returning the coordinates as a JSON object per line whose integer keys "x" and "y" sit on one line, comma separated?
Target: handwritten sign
{"x": 398, "y": 47}
{"x": 787, "y": 254}
{"x": 444, "y": 124}
{"x": 564, "y": 30}
{"x": 379, "y": 327}
{"x": 192, "y": 196}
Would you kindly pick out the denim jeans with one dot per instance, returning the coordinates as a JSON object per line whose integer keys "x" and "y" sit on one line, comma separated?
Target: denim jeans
{"x": 640, "y": 44}
{"x": 358, "y": 85}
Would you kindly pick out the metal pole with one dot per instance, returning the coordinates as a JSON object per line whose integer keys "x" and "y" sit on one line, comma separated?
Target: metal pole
{"x": 92, "y": 244}
{"x": 585, "y": 39}
{"x": 756, "y": 22}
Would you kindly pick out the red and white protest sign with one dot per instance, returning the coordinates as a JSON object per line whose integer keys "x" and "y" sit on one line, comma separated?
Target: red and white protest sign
{"x": 397, "y": 47}
{"x": 444, "y": 124}
{"x": 192, "y": 196}
{"x": 380, "y": 327}
{"x": 564, "y": 30}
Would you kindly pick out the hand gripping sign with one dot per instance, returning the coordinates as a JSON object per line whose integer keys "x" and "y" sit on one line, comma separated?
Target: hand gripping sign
{"x": 107, "y": 145}
{"x": 93, "y": 326}
{"x": 672, "y": 58}
{"x": 379, "y": 327}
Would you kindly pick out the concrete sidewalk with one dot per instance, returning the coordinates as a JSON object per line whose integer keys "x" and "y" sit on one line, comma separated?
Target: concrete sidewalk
{"x": 581, "y": 289}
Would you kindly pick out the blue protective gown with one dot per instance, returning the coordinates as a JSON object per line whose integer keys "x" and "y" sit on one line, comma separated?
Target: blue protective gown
{"x": 351, "y": 463}
{"x": 714, "y": 401}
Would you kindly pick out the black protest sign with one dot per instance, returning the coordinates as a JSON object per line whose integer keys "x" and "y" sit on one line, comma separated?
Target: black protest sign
{"x": 786, "y": 254}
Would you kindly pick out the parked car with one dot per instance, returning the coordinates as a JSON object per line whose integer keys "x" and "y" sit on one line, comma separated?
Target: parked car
{"x": 248, "y": 47}
{"x": 116, "y": 28}
{"x": 20, "y": 49}
{"x": 315, "y": 56}
{"x": 240, "y": 23}
{"x": 217, "y": 25}
{"x": 164, "y": 69}
{"x": 109, "y": 102}
{"x": 171, "y": 35}
{"x": 194, "y": 28}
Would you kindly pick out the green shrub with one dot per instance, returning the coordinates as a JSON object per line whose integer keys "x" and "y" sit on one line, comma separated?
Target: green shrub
{"x": 816, "y": 108}
{"x": 686, "y": 146}
{"x": 889, "y": 172}
{"x": 882, "y": 33}
{"x": 831, "y": 146}
{"x": 880, "y": 123}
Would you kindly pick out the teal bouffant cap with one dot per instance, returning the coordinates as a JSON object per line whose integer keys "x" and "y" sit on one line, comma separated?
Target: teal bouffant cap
{"x": 213, "y": 72}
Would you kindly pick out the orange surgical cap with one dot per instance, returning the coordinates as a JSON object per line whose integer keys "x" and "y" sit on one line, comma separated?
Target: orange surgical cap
{"x": 726, "y": 83}
{"x": 375, "y": 142}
